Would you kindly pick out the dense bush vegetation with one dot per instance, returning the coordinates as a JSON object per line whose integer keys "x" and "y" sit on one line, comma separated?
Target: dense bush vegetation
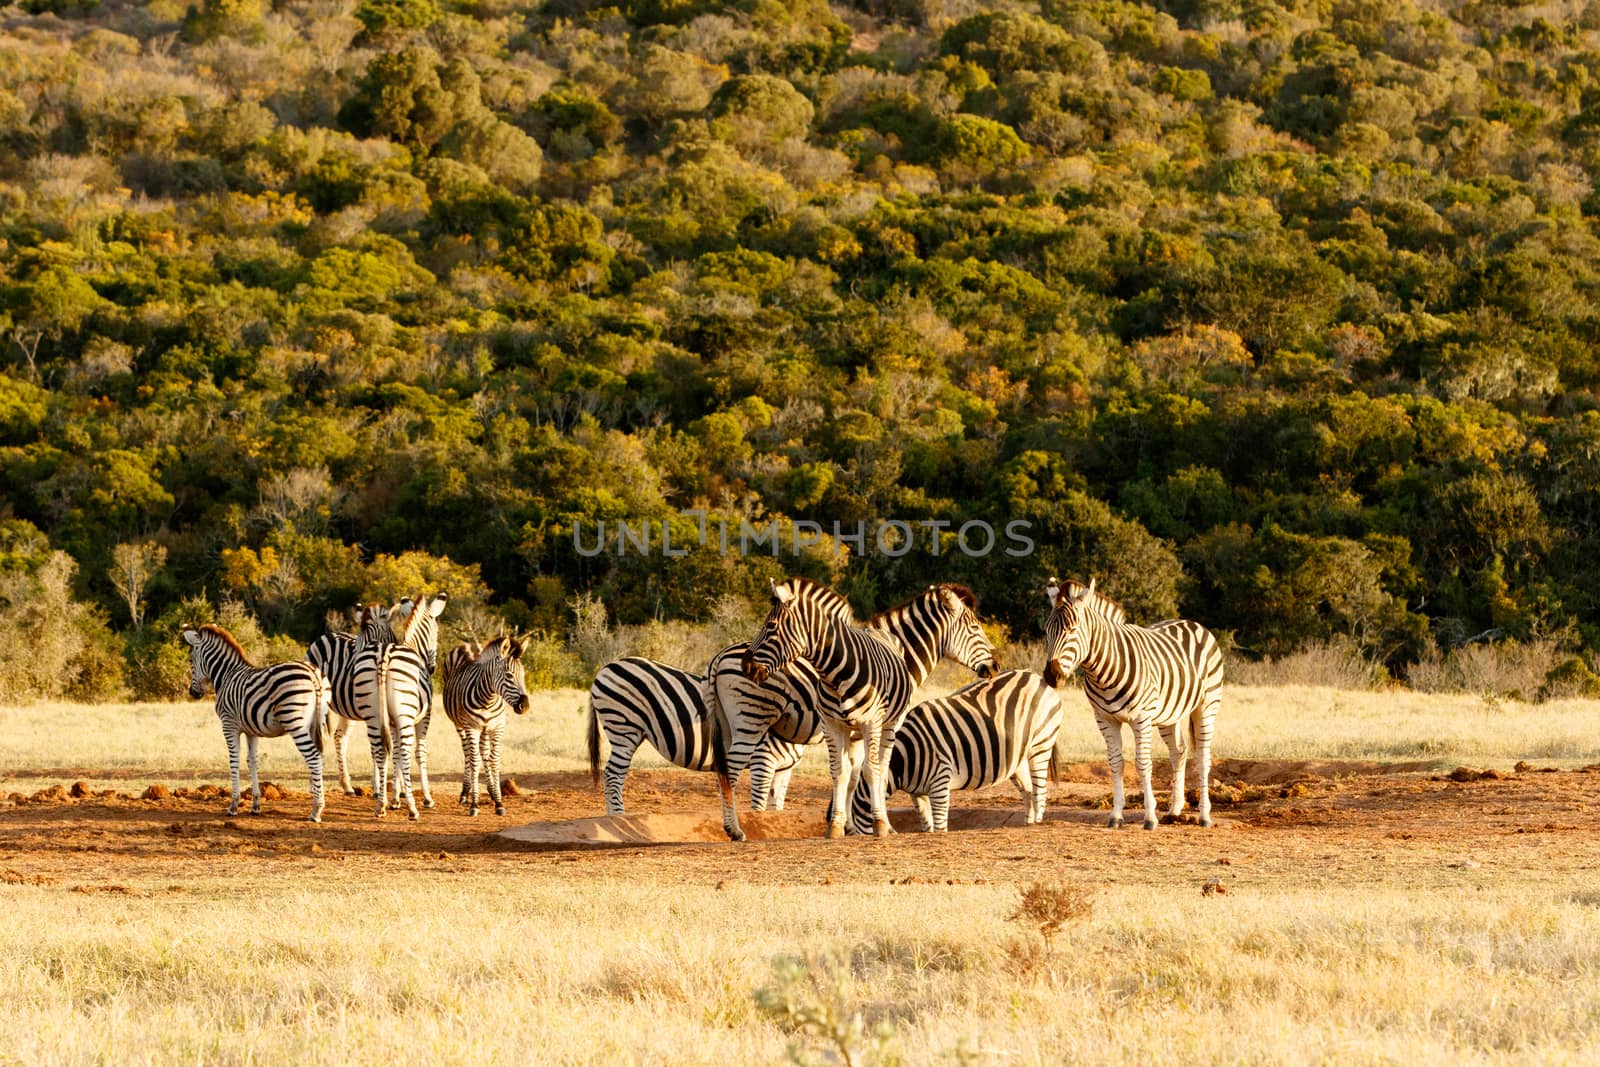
{"x": 1279, "y": 314}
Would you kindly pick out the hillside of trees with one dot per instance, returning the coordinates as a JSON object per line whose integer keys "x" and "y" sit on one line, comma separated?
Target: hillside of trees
{"x": 1279, "y": 315}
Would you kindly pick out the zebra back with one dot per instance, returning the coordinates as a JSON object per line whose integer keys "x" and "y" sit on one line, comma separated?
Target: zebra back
{"x": 980, "y": 734}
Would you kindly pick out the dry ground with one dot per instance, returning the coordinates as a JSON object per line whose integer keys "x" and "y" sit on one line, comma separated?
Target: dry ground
{"x": 1371, "y": 910}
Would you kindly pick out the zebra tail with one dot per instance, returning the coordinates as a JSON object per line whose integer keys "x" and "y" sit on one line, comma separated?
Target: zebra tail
{"x": 594, "y": 743}
{"x": 1056, "y": 761}
{"x": 717, "y": 726}
{"x": 324, "y": 712}
{"x": 383, "y": 701}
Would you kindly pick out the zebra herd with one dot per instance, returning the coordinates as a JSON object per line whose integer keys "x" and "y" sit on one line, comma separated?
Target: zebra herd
{"x": 380, "y": 677}
{"x": 812, "y": 673}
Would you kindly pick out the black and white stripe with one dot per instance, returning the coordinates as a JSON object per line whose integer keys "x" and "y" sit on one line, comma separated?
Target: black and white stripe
{"x": 256, "y": 702}
{"x": 1167, "y": 677}
{"x": 394, "y": 697}
{"x": 480, "y": 684}
{"x": 940, "y": 622}
{"x": 635, "y": 700}
{"x": 864, "y": 668}
{"x": 334, "y": 654}
{"x": 998, "y": 728}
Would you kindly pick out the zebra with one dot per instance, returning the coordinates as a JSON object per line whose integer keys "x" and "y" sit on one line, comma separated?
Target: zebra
{"x": 939, "y": 622}
{"x": 334, "y": 654}
{"x": 866, "y": 670}
{"x": 635, "y": 700}
{"x": 283, "y": 698}
{"x": 1002, "y": 727}
{"x": 480, "y": 683}
{"x": 394, "y": 697}
{"x": 1168, "y": 676}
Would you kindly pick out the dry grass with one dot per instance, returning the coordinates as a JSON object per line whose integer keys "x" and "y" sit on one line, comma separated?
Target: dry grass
{"x": 595, "y": 972}
{"x": 55, "y": 742}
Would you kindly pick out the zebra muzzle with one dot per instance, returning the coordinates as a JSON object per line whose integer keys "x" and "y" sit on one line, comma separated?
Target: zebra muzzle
{"x": 1053, "y": 675}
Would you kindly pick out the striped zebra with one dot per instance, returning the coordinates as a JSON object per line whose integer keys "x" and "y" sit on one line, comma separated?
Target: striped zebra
{"x": 865, "y": 668}
{"x": 1167, "y": 676}
{"x": 1001, "y": 727}
{"x": 394, "y": 697}
{"x": 256, "y": 702}
{"x": 480, "y": 683}
{"x": 637, "y": 700}
{"x": 940, "y": 622}
{"x": 334, "y": 654}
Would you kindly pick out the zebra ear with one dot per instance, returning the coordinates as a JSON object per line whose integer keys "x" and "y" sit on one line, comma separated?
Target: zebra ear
{"x": 1052, "y": 591}
{"x": 438, "y": 604}
{"x": 782, "y": 593}
{"x": 190, "y": 635}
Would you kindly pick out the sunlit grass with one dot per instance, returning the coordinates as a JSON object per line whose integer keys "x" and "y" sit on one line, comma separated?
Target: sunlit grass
{"x": 1289, "y": 722}
{"x": 477, "y": 968}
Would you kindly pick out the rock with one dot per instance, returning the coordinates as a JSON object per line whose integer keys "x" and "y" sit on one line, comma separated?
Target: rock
{"x": 509, "y": 788}
{"x": 156, "y": 792}
{"x": 269, "y": 791}
{"x": 1213, "y": 887}
{"x": 80, "y": 790}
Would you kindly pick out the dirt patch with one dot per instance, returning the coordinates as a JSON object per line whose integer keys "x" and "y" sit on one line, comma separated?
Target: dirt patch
{"x": 1312, "y": 822}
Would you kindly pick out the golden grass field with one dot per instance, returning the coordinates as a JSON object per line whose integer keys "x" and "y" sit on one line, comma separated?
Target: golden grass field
{"x": 1371, "y": 918}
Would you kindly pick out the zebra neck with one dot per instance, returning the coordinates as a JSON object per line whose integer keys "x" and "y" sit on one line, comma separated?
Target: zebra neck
{"x": 1101, "y": 651}
{"x": 917, "y": 638}
{"x": 223, "y": 666}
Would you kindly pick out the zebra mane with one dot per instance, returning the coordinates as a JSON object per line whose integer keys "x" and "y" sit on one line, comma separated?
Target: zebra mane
{"x": 229, "y": 640}
{"x": 413, "y": 619}
{"x": 830, "y": 600}
{"x": 965, "y": 595}
{"x": 1102, "y": 605}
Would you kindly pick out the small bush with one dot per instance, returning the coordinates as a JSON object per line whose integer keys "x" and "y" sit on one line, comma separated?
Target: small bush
{"x": 1512, "y": 669}
{"x": 815, "y": 997}
{"x": 1337, "y": 664}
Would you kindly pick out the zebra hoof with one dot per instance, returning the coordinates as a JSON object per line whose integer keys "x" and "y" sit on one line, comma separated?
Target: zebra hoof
{"x": 350, "y": 791}
{"x": 499, "y": 809}
{"x": 413, "y": 816}
{"x": 427, "y": 802}
{"x": 314, "y": 818}
{"x": 1115, "y": 822}
{"x": 1149, "y": 824}
{"x": 380, "y": 813}
{"x": 1205, "y": 820}
{"x": 881, "y": 828}
{"x": 234, "y": 810}
{"x": 255, "y": 810}
{"x": 835, "y": 831}
{"x": 472, "y": 813}
{"x": 735, "y": 835}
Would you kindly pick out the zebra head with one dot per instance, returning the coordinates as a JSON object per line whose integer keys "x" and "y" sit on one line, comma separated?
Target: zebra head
{"x": 964, "y": 639}
{"x": 420, "y": 626}
{"x": 1065, "y": 637}
{"x": 213, "y": 655}
{"x": 508, "y": 677}
{"x": 784, "y": 636}
{"x": 199, "y": 673}
{"x": 375, "y": 623}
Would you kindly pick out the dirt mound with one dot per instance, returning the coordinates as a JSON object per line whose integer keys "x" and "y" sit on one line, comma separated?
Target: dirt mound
{"x": 688, "y": 827}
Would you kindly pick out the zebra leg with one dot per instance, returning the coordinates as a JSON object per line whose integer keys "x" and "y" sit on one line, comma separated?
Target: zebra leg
{"x": 1175, "y": 736}
{"x": 1041, "y": 786}
{"x": 250, "y": 743}
{"x": 924, "y": 811}
{"x": 741, "y": 752}
{"x": 879, "y": 744}
{"x": 380, "y": 766}
{"x": 1141, "y": 759}
{"x": 939, "y": 798}
{"x": 422, "y": 756}
{"x": 1202, "y": 758}
{"x": 623, "y": 746}
{"x": 491, "y": 762}
{"x": 781, "y": 787}
{"x": 232, "y": 738}
{"x": 1111, "y": 730}
{"x": 838, "y": 735}
{"x": 341, "y": 741}
{"x": 762, "y": 766}
{"x": 307, "y": 744}
{"x": 402, "y": 767}
{"x": 469, "y": 770}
